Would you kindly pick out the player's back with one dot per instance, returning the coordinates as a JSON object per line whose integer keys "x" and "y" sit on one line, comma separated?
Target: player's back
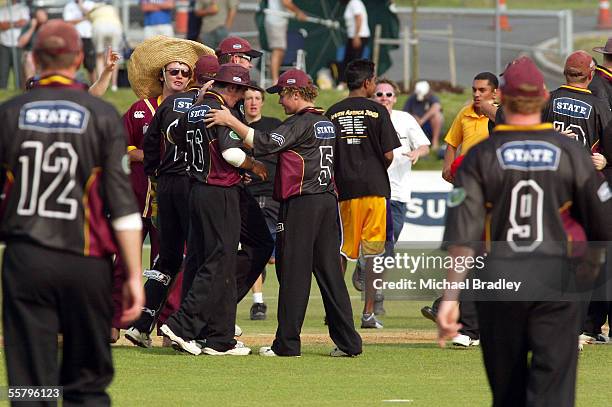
{"x": 55, "y": 143}
{"x": 578, "y": 110}
{"x": 533, "y": 182}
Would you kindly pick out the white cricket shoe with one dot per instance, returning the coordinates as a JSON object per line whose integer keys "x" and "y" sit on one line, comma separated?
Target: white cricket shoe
{"x": 237, "y": 330}
{"x": 187, "y": 346}
{"x": 267, "y": 351}
{"x": 238, "y": 350}
{"x": 138, "y": 338}
{"x": 465, "y": 341}
{"x": 338, "y": 353}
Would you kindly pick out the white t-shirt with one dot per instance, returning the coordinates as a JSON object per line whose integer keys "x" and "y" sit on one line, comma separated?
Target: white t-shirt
{"x": 19, "y": 11}
{"x": 276, "y": 5}
{"x": 355, "y": 8}
{"x": 412, "y": 137}
{"x": 73, "y": 12}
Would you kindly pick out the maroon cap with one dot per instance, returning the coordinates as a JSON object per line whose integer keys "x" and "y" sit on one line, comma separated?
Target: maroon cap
{"x": 237, "y": 45}
{"x": 235, "y": 74}
{"x": 57, "y": 37}
{"x": 523, "y": 78}
{"x": 579, "y": 63}
{"x": 206, "y": 68}
{"x": 293, "y": 78}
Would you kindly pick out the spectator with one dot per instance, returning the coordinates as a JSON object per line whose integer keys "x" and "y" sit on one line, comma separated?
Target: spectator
{"x": 194, "y": 22}
{"x": 357, "y": 32}
{"x": 470, "y": 126}
{"x": 425, "y": 107}
{"x": 276, "y": 32}
{"x": 27, "y": 39}
{"x": 262, "y": 189}
{"x": 157, "y": 17}
{"x": 107, "y": 30}
{"x": 75, "y": 12}
{"x": 217, "y": 19}
{"x": 13, "y": 18}
{"x": 601, "y": 85}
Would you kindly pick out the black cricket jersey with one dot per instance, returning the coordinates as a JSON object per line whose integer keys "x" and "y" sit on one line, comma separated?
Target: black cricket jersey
{"x": 160, "y": 155}
{"x": 582, "y": 112}
{"x": 259, "y": 187}
{"x": 64, "y": 154}
{"x": 531, "y": 190}
{"x": 365, "y": 133}
{"x": 601, "y": 85}
{"x": 305, "y": 146}
{"x": 204, "y": 146}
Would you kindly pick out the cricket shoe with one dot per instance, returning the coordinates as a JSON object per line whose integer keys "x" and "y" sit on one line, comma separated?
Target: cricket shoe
{"x": 138, "y": 338}
{"x": 369, "y": 321}
{"x": 237, "y": 330}
{"x": 187, "y": 346}
{"x": 465, "y": 341}
{"x": 596, "y": 339}
{"x": 429, "y": 313}
{"x": 238, "y": 350}
{"x": 337, "y": 353}
{"x": 267, "y": 351}
{"x": 258, "y": 311}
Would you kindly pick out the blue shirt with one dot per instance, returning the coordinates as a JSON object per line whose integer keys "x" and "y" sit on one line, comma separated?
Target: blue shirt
{"x": 157, "y": 17}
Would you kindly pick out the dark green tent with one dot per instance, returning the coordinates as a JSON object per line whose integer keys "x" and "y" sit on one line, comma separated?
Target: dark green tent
{"x": 322, "y": 43}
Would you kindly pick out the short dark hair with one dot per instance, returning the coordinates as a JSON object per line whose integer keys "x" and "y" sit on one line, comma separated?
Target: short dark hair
{"x": 488, "y": 76}
{"x": 225, "y": 58}
{"x": 607, "y": 57}
{"x": 263, "y": 94}
{"x": 357, "y": 72}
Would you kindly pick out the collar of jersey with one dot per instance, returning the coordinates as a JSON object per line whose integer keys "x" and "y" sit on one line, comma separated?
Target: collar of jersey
{"x": 526, "y": 127}
{"x": 60, "y": 81}
{"x": 576, "y": 89}
{"x": 311, "y": 109}
{"x": 470, "y": 112}
{"x": 216, "y": 95}
{"x": 604, "y": 71}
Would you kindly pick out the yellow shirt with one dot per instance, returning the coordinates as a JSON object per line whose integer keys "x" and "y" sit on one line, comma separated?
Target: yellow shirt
{"x": 468, "y": 129}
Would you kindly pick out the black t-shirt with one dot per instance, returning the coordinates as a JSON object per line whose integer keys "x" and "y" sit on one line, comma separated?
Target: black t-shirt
{"x": 305, "y": 146}
{"x": 500, "y": 118}
{"x": 204, "y": 146}
{"x": 586, "y": 115}
{"x": 364, "y": 134}
{"x": 525, "y": 187}
{"x": 161, "y": 157}
{"x": 601, "y": 85}
{"x": 67, "y": 169}
{"x": 259, "y": 187}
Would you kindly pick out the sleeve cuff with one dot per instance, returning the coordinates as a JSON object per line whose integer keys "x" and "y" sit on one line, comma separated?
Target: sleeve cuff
{"x": 250, "y": 137}
{"x": 131, "y": 148}
{"x": 127, "y": 222}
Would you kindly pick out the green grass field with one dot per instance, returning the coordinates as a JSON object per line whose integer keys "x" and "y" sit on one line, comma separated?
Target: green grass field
{"x": 400, "y": 362}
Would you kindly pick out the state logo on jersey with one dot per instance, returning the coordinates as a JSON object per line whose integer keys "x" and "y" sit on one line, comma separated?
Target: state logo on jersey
{"x": 197, "y": 113}
{"x": 324, "y": 130}
{"x": 53, "y": 116}
{"x": 182, "y": 105}
{"x": 572, "y": 107}
{"x": 529, "y": 156}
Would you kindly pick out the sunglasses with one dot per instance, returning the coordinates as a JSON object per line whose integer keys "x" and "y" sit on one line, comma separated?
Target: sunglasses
{"x": 186, "y": 73}
{"x": 245, "y": 57}
{"x": 388, "y": 94}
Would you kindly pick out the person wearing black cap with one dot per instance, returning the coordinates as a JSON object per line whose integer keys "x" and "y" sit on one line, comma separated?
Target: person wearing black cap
{"x": 67, "y": 193}
{"x": 307, "y": 234}
{"x": 525, "y": 183}
{"x": 214, "y": 157}
{"x": 168, "y": 168}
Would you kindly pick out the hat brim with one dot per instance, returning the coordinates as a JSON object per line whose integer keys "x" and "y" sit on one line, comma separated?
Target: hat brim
{"x": 274, "y": 89}
{"x": 150, "y": 56}
{"x": 254, "y": 53}
{"x": 249, "y": 86}
{"x": 602, "y": 50}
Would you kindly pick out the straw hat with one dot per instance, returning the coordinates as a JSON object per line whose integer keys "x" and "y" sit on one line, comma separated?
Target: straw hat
{"x": 150, "y": 56}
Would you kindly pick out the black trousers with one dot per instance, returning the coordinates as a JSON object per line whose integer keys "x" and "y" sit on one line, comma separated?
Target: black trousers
{"x": 256, "y": 242}
{"x": 307, "y": 242}
{"x": 509, "y": 330}
{"x": 211, "y": 301}
{"x": 599, "y": 310}
{"x": 173, "y": 223}
{"x": 46, "y": 292}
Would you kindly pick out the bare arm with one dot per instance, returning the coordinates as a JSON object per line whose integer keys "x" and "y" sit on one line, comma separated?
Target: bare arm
{"x": 207, "y": 11}
{"x": 27, "y": 36}
{"x": 433, "y": 110}
{"x": 231, "y": 15}
{"x": 289, "y": 5}
{"x": 224, "y": 117}
{"x": 414, "y": 155}
{"x": 449, "y": 157}
{"x": 99, "y": 87}
{"x": 388, "y": 158}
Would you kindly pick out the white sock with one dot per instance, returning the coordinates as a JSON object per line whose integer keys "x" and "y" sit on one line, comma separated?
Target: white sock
{"x": 258, "y": 298}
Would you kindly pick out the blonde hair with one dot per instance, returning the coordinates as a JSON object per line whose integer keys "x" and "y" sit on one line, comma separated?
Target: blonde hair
{"x": 523, "y": 104}
{"x": 309, "y": 93}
